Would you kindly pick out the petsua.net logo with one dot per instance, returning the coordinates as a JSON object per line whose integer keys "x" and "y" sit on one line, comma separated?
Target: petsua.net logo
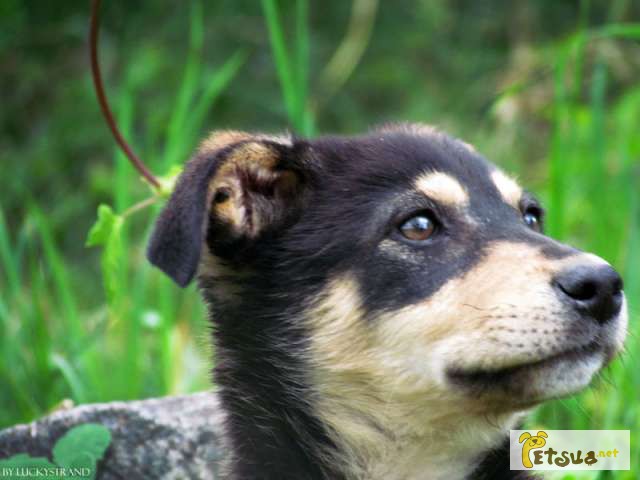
{"x": 569, "y": 449}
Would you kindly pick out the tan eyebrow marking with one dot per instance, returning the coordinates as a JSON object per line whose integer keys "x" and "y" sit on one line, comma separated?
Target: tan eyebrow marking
{"x": 442, "y": 187}
{"x": 509, "y": 189}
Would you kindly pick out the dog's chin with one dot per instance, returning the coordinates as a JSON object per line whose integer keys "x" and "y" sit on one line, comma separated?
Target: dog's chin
{"x": 526, "y": 385}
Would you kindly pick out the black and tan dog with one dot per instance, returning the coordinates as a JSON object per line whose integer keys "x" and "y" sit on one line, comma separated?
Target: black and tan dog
{"x": 385, "y": 306}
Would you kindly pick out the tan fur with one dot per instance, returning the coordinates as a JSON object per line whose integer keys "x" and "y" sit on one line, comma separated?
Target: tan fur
{"x": 443, "y": 188}
{"x": 380, "y": 382}
{"x": 222, "y": 138}
{"x": 509, "y": 189}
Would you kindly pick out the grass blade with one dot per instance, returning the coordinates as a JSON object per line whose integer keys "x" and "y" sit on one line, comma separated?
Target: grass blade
{"x": 283, "y": 63}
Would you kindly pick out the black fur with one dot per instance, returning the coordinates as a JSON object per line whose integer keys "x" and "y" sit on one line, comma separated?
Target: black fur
{"x": 176, "y": 241}
{"x": 495, "y": 466}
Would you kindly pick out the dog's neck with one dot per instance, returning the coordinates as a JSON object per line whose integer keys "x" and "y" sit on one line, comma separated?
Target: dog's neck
{"x": 380, "y": 435}
{"x": 282, "y": 423}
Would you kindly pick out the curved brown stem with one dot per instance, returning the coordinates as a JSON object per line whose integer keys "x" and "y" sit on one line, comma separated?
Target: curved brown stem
{"x": 102, "y": 98}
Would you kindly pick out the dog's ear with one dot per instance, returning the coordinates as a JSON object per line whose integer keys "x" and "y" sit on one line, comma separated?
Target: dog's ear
{"x": 242, "y": 184}
{"x": 542, "y": 434}
{"x": 524, "y": 436}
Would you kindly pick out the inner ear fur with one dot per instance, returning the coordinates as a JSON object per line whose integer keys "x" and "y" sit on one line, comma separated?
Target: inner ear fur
{"x": 243, "y": 183}
{"x": 253, "y": 188}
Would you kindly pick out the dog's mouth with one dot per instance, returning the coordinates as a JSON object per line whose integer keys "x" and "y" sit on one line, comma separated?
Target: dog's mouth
{"x": 553, "y": 376}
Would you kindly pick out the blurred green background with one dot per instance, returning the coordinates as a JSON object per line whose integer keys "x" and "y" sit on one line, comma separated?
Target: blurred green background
{"x": 549, "y": 90}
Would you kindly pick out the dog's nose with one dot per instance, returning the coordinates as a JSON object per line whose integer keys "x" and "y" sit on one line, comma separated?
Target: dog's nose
{"x": 595, "y": 290}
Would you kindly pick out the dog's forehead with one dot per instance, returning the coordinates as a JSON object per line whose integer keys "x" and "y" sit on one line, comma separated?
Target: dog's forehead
{"x": 423, "y": 160}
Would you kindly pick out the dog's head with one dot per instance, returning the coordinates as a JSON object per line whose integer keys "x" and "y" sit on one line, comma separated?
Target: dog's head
{"x": 413, "y": 266}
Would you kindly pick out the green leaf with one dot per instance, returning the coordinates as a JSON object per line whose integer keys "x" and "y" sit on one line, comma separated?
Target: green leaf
{"x": 168, "y": 181}
{"x": 82, "y": 463}
{"x": 110, "y": 264}
{"x": 90, "y": 439}
{"x": 22, "y": 461}
{"x": 103, "y": 229}
{"x": 106, "y": 232}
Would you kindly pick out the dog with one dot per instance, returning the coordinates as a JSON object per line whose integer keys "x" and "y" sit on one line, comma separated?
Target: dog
{"x": 385, "y": 306}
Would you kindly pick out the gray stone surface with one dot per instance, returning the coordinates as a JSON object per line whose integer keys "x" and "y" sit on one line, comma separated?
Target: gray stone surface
{"x": 168, "y": 438}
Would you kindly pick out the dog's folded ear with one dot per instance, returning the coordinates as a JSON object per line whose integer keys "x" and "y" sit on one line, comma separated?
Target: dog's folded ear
{"x": 242, "y": 184}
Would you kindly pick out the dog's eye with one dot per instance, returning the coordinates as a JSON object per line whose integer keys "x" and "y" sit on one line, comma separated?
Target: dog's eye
{"x": 418, "y": 228}
{"x": 532, "y": 219}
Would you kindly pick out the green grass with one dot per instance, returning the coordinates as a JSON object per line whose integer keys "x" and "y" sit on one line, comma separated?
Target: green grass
{"x": 141, "y": 336}
{"x": 592, "y": 193}
{"x": 146, "y": 337}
